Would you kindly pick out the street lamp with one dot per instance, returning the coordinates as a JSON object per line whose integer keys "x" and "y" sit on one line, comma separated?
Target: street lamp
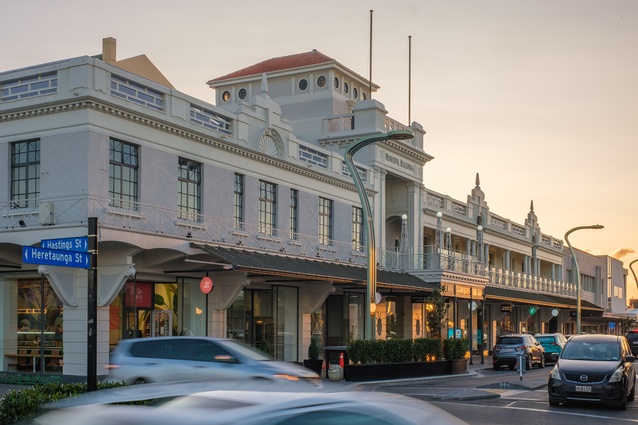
{"x": 368, "y": 230}
{"x": 633, "y": 272}
{"x": 575, "y": 260}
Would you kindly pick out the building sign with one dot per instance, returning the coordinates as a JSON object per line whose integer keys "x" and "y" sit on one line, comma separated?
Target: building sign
{"x": 506, "y": 308}
{"x": 398, "y": 161}
{"x": 418, "y": 299}
{"x": 139, "y": 295}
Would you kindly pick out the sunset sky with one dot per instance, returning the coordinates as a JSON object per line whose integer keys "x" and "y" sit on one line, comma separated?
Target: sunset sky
{"x": 538, "y": 97}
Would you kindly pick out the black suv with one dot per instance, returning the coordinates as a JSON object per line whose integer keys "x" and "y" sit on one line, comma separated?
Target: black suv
{"x": 632, "y": 338}
{"x": 509, "y": 348}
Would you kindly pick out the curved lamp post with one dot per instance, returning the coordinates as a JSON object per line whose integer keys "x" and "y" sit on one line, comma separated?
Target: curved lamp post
{"x": 596, "y": 227}
{"x": 368, "y": 229}
{"x": 633, "y": 272}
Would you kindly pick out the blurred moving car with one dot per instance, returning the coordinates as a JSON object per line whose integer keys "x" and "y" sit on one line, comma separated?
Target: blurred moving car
{"x": 251, "y": 403}
{"x": 632, "y": 338}
{"x": 594, "y": 368}
{"x": 509, "y": 348}
{"x": 553, "y": 345}
{"x": 182, "y": 358}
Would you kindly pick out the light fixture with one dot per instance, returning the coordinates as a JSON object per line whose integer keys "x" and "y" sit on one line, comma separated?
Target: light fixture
{"x": 368, "y": 229}
{"x": 576, "y": 271}
{"x": 373, "y": 309}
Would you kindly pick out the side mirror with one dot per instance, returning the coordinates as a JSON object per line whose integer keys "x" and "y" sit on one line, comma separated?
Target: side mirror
{"x": 630, "y": 358}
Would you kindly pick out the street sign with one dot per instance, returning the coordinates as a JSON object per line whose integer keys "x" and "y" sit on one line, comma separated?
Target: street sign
{"x": 50, "y": 257}
{"x": 80, "y": 244}
{"x": 612, "y": 326}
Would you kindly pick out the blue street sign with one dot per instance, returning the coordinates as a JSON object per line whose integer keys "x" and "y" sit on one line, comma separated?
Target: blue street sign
{"x": 80, "y": 244}
{"x": 50, "y": 257}
{"x": 612, "y": 326}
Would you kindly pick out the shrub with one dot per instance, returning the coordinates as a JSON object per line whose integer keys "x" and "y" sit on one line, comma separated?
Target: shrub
{"x": 455, "y": 348}
{"x": 427, "y": 349}
{"x": 313, "y": 349}
{"x": 393, "y": 350}
{"x": 22, "y": 404}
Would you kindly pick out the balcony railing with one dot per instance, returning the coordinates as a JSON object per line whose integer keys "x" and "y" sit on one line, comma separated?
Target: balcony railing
{"x": 150, "y": 219}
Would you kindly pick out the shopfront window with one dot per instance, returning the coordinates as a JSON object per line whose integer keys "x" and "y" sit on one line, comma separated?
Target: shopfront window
{"x": 146, "y": 309}
{"x": 267, "y": 320}
{"x": 40, "y": 326}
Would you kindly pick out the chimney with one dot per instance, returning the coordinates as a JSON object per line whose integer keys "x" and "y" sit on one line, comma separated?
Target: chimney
{"x": 109, "y": 50}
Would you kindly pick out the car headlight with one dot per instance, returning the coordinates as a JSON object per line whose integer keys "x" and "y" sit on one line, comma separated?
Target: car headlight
{"x": 555, "y": 374}
{"x": 617, "y": 375}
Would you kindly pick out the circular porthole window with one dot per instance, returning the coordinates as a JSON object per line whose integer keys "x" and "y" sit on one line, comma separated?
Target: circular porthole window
{"x": 336, "y": 83}
{"x": 321, "y": 81}
{"x": 303, "y": 84}
{"x": 226, "y": 96}
{"x": 242, "y": 94}
{"x": 345, "y": 88}
{"x": 355, "y": 93}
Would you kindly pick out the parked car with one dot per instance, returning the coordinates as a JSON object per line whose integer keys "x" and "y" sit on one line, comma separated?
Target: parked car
{"x": 509, "y": 348}
{"x": 594, "y": 369}
{"x": 181, "y": 358}
{"x": 553, "y": 345}
{"x": 247, "y": 402}
{"x": 632, "y": 338}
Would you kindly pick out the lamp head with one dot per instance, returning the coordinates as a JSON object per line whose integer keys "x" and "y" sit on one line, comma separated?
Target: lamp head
{"x": 480, "y": 228}
{"x": 439, "y": 214}
{"x": 448, "y": 230}
{"x": 400, "y": 135}
{"x": 404, "y": 217}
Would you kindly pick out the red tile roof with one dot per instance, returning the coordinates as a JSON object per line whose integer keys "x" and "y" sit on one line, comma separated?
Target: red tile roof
{"x": 276, "y": 64}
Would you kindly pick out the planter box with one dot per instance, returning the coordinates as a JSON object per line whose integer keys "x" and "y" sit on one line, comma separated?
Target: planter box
{"x": 456, "y": 366}
{"x": 374, "y": 372}
{"x": 314, "y": 365}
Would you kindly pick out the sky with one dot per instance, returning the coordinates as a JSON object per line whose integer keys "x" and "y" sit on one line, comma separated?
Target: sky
{"x": 540, "y": 97}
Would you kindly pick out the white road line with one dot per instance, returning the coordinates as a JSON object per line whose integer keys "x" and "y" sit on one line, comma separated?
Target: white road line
{"x": 586, "y": 415}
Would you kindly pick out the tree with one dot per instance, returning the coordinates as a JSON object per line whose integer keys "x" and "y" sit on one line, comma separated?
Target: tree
{"x": 437, "y": 317}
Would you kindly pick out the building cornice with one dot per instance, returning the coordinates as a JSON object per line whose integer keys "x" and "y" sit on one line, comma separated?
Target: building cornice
{"x": 108, "y": 108}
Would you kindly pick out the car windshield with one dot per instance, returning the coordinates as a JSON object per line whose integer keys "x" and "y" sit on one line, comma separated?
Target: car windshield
{"x": 632, "y": 336}
{"x": 603, "y": 351}
{"x": 545, "y": 339}
{"x": 245, "y": 350}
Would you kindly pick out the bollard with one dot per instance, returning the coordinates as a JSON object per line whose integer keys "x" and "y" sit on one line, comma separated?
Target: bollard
{"x": 520, "y": 364}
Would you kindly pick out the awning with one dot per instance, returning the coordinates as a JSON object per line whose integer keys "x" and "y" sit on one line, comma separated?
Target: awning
{"x": 506, "y": 294}
{"x": 308, "y": 268}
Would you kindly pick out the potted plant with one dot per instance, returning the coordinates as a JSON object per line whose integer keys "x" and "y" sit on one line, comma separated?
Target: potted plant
{"x": 454, "y": 350}
{"x": 313, "y": 362}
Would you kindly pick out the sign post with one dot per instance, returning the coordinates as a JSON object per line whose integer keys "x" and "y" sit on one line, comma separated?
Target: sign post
{"x": 91, "y": 364}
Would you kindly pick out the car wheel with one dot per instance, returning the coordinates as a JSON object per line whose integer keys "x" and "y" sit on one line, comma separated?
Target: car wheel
{"x": 497, "y": 367}
{"x": 623, "y": 403}
{"x": 140, "y": 381}
{"x": 528, "y": 363}
{"x": 632, "y": 394}
{"x": 553, "y": 403}
{"x": 512, "y": 367}
{"x": 542, "y": 365}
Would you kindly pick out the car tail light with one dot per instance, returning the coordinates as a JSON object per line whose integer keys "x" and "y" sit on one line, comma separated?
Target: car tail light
{"x": 522, "y": 348}
{"x": 111, "y": 366}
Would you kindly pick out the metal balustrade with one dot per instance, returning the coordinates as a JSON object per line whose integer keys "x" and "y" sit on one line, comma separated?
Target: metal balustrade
{"x": 151, "y": 219}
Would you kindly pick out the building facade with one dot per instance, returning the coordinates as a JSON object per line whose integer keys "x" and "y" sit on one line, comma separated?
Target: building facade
{"x": 253, "y": 193}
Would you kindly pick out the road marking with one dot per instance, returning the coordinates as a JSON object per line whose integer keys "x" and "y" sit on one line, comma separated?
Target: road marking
{"x": 586, "y": 415}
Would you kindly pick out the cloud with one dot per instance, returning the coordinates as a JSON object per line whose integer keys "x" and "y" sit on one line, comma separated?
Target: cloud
{"x": 621, "y": 253}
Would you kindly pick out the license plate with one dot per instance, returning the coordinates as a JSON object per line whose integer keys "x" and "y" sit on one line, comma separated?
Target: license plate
{"x": 583, "y": 388}
{"x": 507, "y": 350}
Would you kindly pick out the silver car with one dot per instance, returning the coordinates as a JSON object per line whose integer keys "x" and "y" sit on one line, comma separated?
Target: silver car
{"x": 245, "y": 402}
{"x": 181, "y": 358}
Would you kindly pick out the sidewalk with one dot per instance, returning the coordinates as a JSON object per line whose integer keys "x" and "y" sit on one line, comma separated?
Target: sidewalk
{"x": 510, "y": 382}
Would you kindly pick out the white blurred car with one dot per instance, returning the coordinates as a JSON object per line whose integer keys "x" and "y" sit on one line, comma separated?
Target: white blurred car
{"x": 183, "y": 358}
{"x": 253, "y": 403}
